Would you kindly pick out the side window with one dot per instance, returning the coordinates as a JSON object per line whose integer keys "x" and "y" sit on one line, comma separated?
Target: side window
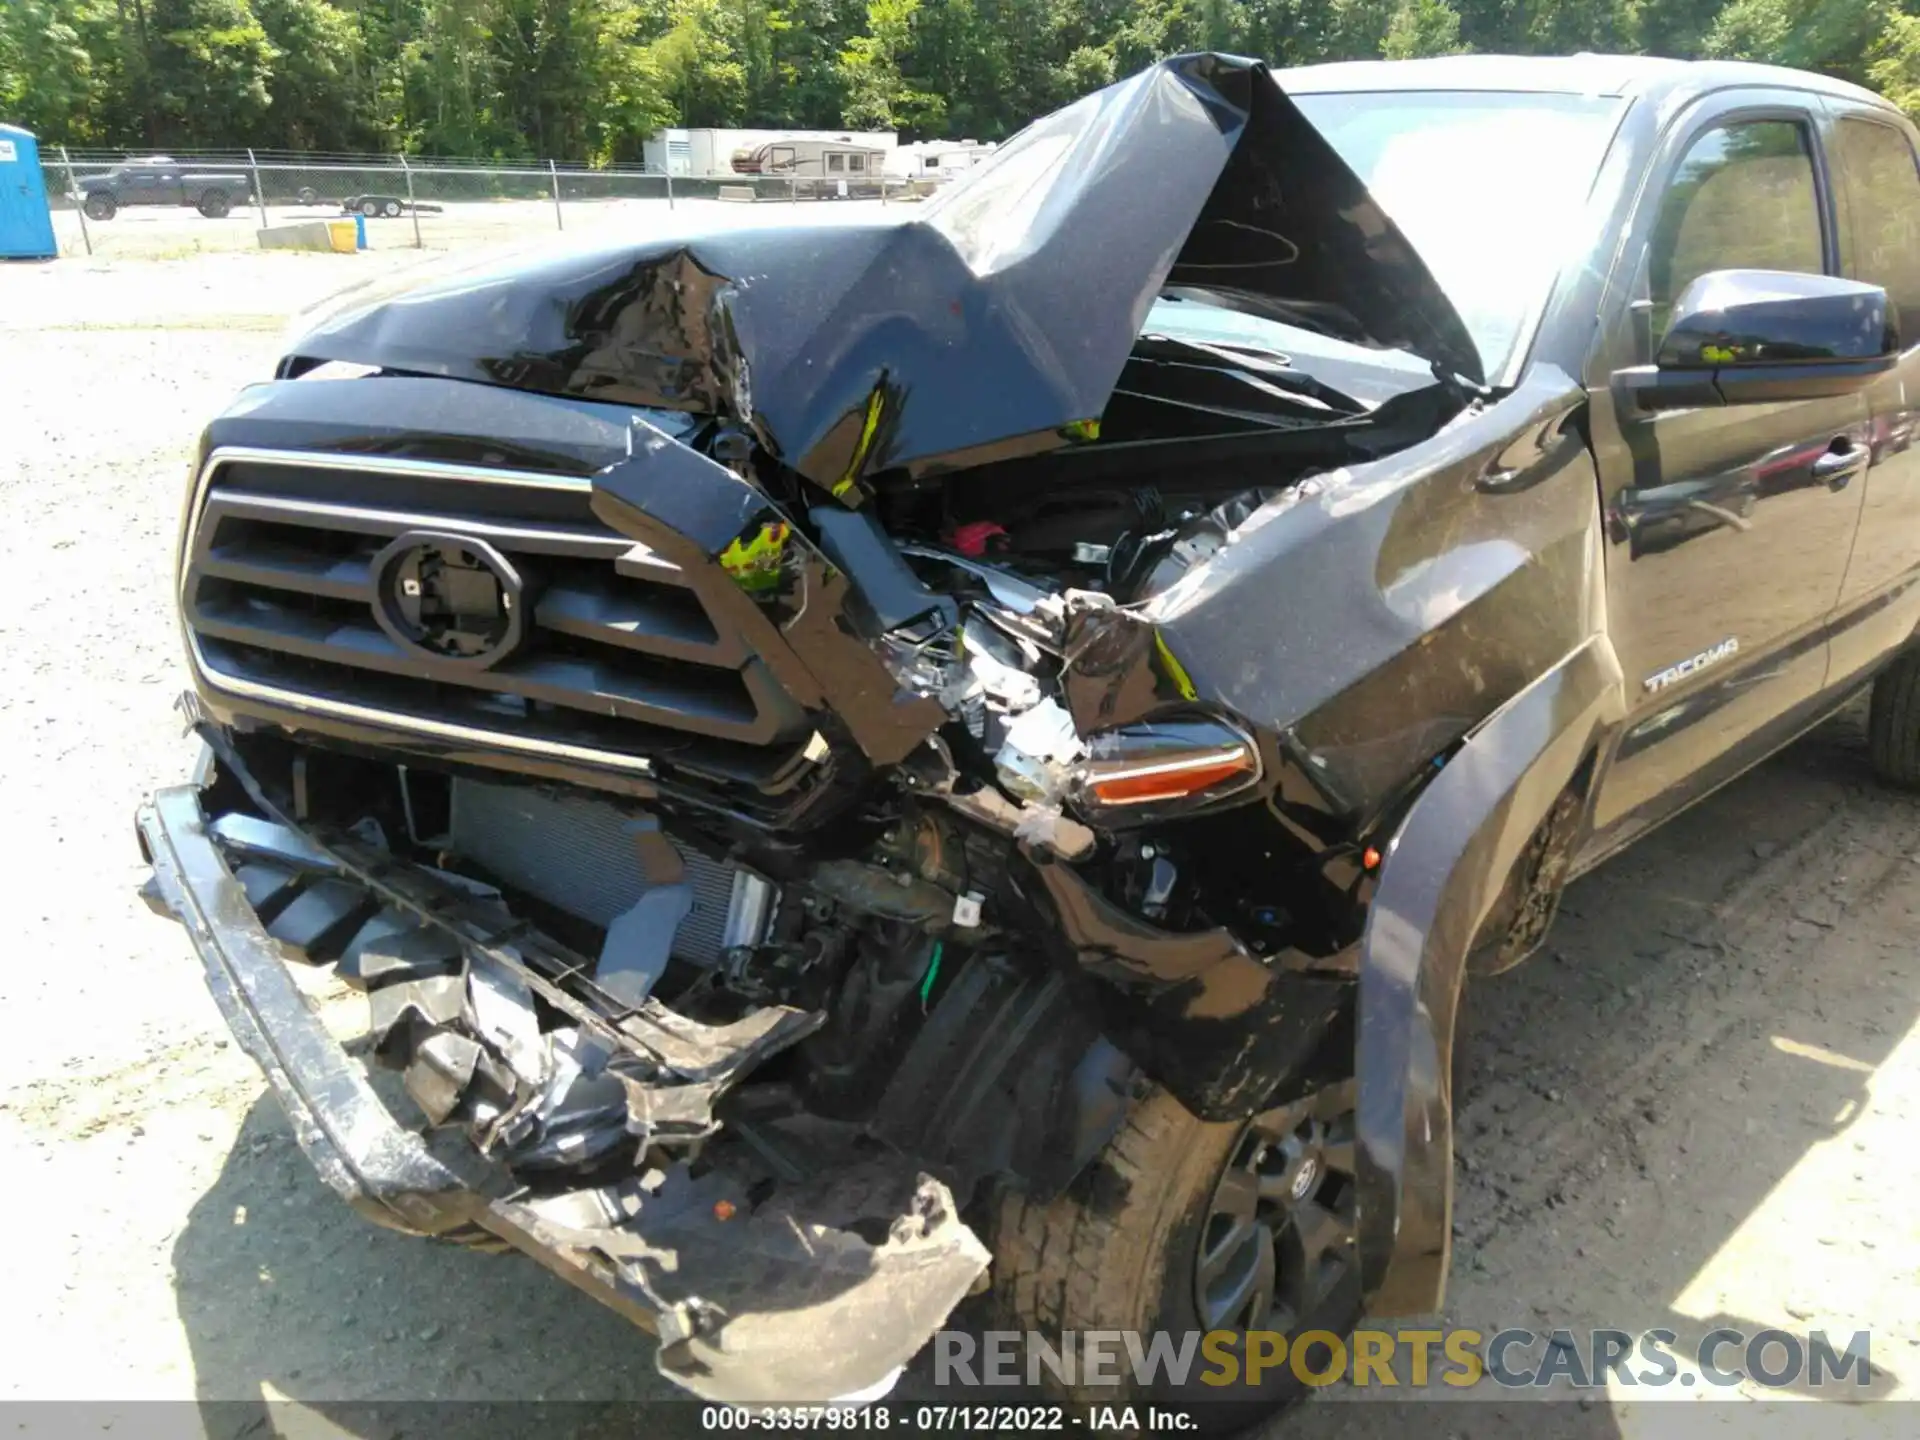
{"x": 1743, "y": 198}
{"x": 857, "y": 162}
{"x": 1883, "y": 214}
{"x": 836, "y": 162}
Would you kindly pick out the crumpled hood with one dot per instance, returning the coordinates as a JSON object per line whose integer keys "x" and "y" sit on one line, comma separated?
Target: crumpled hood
{"x": 985, "y": 323}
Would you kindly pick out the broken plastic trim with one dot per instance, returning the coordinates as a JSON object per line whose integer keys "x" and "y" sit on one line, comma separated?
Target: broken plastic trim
{"x": 740, "y": 1303}
{"x": 452, "y": 977}
{"x": 1198, "y": 1012}
{"x": 691, "y": 510}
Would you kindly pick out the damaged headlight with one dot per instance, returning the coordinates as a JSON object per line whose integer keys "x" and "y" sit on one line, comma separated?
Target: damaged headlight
{"x": 1151, "y": 769}
{"x": 1135, "y": 773}
{"x": 996, "y": 670}
{"x": 1035, "y": 762}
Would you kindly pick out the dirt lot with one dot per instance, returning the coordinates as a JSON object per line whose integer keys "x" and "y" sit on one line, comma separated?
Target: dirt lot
{"x": 1698, "y": 1109}
{"x": 175, "y": 232}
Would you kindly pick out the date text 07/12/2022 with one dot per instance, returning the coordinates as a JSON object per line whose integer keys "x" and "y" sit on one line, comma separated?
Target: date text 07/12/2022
{"x": 935, "y": 1419}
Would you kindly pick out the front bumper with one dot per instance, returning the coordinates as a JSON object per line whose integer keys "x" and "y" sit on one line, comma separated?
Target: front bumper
{"x": 770, "y": 1299}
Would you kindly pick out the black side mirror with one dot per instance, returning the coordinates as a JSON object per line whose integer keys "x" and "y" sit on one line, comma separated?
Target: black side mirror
{"x": 1752, "y": 336}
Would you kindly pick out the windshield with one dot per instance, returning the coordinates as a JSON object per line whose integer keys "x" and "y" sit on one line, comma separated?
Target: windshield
{"x": 1489, "y": 186}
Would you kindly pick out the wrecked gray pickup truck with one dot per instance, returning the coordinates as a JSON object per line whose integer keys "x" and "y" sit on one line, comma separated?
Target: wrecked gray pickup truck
{"x": 863, "y": 764}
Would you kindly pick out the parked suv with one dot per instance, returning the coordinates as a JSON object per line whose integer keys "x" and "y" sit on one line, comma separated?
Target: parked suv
{"x": 861, "y": 764}
{"x": 160, "y": 180}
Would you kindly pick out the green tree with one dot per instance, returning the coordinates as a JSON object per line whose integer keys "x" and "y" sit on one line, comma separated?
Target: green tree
{"x": 209, "y": 68}
{"x": 1087, "y": 69}
{"x": 1831, "y": 35}
{"x": 318, "y": 103}
{"x": 628, "y": 100}
{"x": 49, "y": 80}
{"x": 1422, "y": 27}
{"x": 879, "y": 95}
{"x": 450, "y": 74}
{"x": 593, "y": 78}
{"x": 1670, "y": 27}
{"x": 807, "y": 50}
{"x": 1893, "y": 62}
{"x": 698, "y": 61}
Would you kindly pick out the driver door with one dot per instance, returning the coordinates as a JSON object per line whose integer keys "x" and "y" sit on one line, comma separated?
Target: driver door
{"x": 1728, "y": 525}
{"x": 138, "y": 185}
{"x": 159, "y": 185}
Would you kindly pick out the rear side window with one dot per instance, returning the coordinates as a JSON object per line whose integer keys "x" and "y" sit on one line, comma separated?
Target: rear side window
{"x": 1743, "y": 198}
{"x": 1883, "y": 214}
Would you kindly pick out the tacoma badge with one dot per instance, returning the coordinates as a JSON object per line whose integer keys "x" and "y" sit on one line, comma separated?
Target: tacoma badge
{"x": 1713, "y": 655}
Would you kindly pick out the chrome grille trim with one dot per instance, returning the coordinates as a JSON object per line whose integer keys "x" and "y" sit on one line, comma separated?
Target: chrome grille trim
{"x": 574, "y": 609}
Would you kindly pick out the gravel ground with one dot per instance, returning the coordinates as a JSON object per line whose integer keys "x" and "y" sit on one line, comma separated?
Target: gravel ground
{"x": 1698, "y": 1108}
{"x": 175, "y": 232}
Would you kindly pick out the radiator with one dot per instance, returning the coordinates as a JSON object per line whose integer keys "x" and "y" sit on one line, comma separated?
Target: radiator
{"x": 572, "y": 852}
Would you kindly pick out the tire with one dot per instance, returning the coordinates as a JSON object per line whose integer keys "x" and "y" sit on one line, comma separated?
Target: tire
{"x": 100, "y": 207}
{"x": 1121, "y": 1250}
{"x": 1893, "y": 723}
{"x": 215, "y": 205}
{"x": 308, "y": 195}
{"x": 370, "y": 208}
{"x": 391, "y": 209}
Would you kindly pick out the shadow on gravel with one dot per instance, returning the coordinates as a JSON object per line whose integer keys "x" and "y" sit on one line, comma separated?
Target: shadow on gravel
{"x": 1627, "y": 1107}
{"x": 290, "y": 1301}
{"x": 1710, "y": 1007}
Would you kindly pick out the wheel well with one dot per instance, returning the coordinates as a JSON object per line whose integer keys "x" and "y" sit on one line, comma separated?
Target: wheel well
{"x": 1529, "y": 896}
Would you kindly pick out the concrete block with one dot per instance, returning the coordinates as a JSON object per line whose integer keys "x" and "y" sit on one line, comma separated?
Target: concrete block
{"x": 334, "y": 236}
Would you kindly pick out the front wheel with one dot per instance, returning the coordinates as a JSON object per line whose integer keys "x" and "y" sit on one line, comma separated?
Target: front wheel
{"x": 1186, "y": 1227}
{"x": 215, "y": 205}
{"x": 1893, "y": 723}
{"x": 100, "y": 207}
{"x": 370, "y": 208}
{"x": 390, "y": 209}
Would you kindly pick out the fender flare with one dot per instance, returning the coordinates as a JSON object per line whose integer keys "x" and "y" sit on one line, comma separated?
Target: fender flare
{"x": 1441, "y": 876}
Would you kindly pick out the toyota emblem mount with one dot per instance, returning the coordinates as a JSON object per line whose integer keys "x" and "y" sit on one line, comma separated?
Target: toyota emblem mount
{"x": 451, "y": 599}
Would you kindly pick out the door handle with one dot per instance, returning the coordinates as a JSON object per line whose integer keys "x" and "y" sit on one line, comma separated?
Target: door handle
{"x": 1839, "y": 465}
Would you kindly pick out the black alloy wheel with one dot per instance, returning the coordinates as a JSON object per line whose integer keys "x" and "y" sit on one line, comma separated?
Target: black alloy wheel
{"x": 1278, "y": 1236}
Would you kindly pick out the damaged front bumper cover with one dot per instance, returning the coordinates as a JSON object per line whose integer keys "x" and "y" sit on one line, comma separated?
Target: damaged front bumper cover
{"x": 786, "y": 1299}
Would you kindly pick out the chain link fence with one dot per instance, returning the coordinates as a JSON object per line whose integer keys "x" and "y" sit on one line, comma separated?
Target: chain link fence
{"x": 162, "y": 207}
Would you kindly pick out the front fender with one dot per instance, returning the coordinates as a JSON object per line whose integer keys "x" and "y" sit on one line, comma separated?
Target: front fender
{"x": 1441, "y": 876}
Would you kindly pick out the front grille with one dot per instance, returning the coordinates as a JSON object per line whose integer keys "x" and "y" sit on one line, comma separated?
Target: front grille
{"x": 619, "y": 656}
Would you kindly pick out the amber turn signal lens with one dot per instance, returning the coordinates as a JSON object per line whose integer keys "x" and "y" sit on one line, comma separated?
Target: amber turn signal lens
{"x": 1169, "y": 779}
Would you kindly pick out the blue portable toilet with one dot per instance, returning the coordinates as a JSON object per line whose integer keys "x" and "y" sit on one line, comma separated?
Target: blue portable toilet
{"x": 26, "y": 224}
